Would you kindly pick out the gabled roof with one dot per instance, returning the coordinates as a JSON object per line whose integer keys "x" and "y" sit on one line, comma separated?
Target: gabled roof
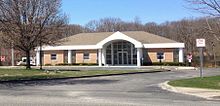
{"x": 147, "y": 38}
{"x": 94, "y": 38}
{"x": 85, "y": 38}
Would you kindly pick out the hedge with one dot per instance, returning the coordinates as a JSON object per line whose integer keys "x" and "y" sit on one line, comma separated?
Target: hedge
{"x": 76, "y": 64}
{"x": 164, "y": 64}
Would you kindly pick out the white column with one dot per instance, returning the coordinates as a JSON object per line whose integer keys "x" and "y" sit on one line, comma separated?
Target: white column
{"x": 100, "y": 57}
{"x": 181, "y": 55}
{"x": 38, "y": 58}
{"x": 138, "y": 57}
{"x": 132, "y": 54}
{"x": 69, "y": 56}
{"x": 112, "y": 53}
{"x": 12, "y": 57}
{"x": 103, "y": 56}
{"x": 141, "y": 55}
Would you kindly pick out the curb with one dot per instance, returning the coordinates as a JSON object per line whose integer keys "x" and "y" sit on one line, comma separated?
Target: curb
{"x": 186, "y": 68}
{"x": 166, "y": 86}
{"x": 92, "y": 76}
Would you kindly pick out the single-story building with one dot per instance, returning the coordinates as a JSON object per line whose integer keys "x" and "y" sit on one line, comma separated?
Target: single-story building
{"x": 113, "y": 49}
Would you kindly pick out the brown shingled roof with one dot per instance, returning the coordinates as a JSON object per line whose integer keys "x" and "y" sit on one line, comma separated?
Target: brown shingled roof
{"x": 147, "y": 38}
{"x": 94, "y": 38}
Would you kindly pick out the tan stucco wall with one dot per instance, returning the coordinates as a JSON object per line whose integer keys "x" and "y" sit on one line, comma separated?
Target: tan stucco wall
{"x": 47, "y": 57}
{"x": 92, "y": 56}
{"x": 152, "y": 55}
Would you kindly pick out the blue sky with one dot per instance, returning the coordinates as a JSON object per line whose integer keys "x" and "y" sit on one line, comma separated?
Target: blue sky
{"x": 159, "y": 11}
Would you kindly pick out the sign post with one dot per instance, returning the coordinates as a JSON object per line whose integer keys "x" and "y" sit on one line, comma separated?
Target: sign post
{"x": 201, "y": 61}
{"x": 200, "y": 43}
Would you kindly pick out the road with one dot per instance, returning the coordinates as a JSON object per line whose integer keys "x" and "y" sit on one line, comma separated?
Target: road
{"x": 127, "y": 90}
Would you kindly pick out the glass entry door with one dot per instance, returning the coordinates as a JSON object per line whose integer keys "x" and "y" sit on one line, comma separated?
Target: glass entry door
{"x": 121, "y": 53}
{"x": 122, "y": 58}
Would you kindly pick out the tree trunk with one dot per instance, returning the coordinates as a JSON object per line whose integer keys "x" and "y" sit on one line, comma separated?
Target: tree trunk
{"x": 40, "y": 55}
{"x": 0, "y": 58}
{"x": 28, "y": 65}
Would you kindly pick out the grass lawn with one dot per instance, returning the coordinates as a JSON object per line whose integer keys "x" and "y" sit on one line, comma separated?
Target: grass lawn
{"x": 205, "y": 82}
{"x": 34, "y": 74}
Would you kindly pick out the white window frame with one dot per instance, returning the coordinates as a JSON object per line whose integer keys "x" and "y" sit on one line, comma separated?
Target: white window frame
{"x": 86, "y": 57}
{"x": 163, "y": 56}
{"x": 53, "y": 57}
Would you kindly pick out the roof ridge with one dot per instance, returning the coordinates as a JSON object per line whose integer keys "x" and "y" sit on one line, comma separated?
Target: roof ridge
{"x": 95, "y": 37}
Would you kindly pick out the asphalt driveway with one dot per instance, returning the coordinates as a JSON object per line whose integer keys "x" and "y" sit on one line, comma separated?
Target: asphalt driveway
{"x": 127, "y": 90}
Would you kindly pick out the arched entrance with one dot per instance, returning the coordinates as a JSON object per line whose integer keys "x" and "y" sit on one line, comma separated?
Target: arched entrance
{"x": 120, "y": 52}
{"x": 119, "y": 49}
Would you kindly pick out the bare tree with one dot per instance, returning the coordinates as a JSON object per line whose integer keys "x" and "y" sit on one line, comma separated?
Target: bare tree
{"x": 213, "y": 27}
{"x": 152, "y": 27}
{"x": 92, "y": 25}
{"x": 113, "y": 25}
{"x": 109, "y": 24}
{"x": 27, "y": 24}
{"x": 73, "y": 29}
{"x": 210, "y": 7}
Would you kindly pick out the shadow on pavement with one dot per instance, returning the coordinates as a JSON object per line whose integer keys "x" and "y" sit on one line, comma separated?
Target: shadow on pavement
{"x": 5, "y": 85}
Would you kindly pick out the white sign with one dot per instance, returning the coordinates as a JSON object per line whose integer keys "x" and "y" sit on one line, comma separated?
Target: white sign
{"x": 200, "y": 42}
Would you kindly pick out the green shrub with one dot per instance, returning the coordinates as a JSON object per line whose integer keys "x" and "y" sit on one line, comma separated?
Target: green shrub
{"x": 164, "y": 64}
{"x": 62, "y": 64}
{"x": 76, "y": 64}
{"x": 92, "y": 64}
{"x": 88, "y": 64}
{"x": 48, "y": 64}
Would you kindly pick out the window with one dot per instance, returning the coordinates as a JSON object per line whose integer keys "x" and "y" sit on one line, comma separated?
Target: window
{"x": 86, "y": 55}
{"x": 53, "y": 56}
{"x": 160, "y": 55}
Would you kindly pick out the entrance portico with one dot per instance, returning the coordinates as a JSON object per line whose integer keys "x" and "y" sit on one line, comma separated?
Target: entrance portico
{"x": 119, "y": 52}
{"x": 119, "y": 49}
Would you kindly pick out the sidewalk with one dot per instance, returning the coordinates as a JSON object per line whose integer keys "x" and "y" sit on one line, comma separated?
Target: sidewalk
{"x": 12, "y": 67}
{"x": 116, "y": 67}
{"x": 104, "y": 67}
{"x": 209, "y": 94}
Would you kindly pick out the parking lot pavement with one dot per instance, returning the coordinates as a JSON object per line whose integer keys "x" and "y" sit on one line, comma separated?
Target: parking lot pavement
{"x": 126, "y": 90}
